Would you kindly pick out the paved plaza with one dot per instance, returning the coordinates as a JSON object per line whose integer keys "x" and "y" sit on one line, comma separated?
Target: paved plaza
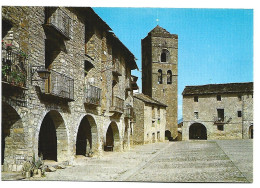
{"x": 185, "y": 161}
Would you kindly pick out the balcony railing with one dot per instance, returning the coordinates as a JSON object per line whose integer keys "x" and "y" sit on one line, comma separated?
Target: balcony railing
{"x": 60, "y": 21}
{"x": 14, "y": 67}
{"x": 117, "y": 105}
{"x": 129, "y": 111}
{"x": 60, "y": 85}
{"x": 92, "y": 95}
{"x": 222, "y": 120}
{"x": 116, "y": 69}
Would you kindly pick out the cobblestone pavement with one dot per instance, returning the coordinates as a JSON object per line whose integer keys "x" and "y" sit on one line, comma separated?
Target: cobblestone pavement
{"x": 186, "y": 161}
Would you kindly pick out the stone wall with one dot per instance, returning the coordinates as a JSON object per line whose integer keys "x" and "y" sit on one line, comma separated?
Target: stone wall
{"x": 68, "y": 56}
{"x": 152, "y": 48}
{"x": 207, "y": 106}
{"x": 150, "y": 122}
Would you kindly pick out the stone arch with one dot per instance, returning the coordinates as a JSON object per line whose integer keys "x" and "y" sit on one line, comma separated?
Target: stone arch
{"x": 197, "y": 131}
{"x": 169, "y": 77}
{"x": 168, "y": 135}
{"x": 160, "y": 76}
{"x": 112, "y": 138}
{"x": 165, "y": 55}
{"x": 87, "y": 136}
{"x": 53, "y": 137}
{"x": 13, "y": 135}
{"x": 250, "y": 132}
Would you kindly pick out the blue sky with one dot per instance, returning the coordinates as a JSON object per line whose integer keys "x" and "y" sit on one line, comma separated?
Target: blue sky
{"x": 215, "y": 45}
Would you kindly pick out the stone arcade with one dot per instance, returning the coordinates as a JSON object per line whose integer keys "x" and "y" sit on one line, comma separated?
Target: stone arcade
{"x": 67, "y": 86}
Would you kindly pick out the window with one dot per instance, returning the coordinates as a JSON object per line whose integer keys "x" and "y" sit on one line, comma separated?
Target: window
{"x": 218, "y": 97}
{"x": 220, "y": 114}
{"x": 221, "y": 127}
{"x": 87, "y": 66}
{"x": 165, "y": 55}
{"x": 239, "y": 97}
{"x": 196, "y": 99}
{"x": 160, "y": 76}
{"x": 169, "y": 77}
{"x": 239, "y": 113}
{"x": 158, "y": 135}
{"x": 196, "y": 114}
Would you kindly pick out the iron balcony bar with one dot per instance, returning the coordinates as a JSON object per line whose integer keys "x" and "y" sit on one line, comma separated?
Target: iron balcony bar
{"x": 60, "y": 21}
{"x": 117, "y": 105}
{"x": 60, "y": 85}
{"x": 92, "y": 95}
{"x": 221, "y": 120}
{"x": 14, "y": 67}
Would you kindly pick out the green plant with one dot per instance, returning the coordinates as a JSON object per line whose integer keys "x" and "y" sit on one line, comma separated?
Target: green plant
{"x": 23, "y": 54}
{"x": 33, "y": 167}
{"x": 17, "y": 77}
{"x": 5, "y": 70}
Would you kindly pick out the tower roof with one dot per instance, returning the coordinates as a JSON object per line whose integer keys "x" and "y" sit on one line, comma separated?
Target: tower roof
{"x": 158, "y": 31}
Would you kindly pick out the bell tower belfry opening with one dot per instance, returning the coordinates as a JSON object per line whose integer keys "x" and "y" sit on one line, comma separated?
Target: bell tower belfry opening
{"x": 160, "y": 72}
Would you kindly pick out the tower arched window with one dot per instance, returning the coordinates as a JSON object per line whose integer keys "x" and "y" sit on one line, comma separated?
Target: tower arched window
{"x": 160, "y": 76}
{"x": 164, "y": 55}
{"x": 169, "y": 77}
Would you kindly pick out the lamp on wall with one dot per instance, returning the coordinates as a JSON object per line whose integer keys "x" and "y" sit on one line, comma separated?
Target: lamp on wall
{"x": 42, "y": 72}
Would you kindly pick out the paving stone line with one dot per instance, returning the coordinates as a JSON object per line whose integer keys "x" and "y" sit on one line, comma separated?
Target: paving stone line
{"x": 126, "y": 176}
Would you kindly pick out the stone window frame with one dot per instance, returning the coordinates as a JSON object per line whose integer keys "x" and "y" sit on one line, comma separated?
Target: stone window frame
{"x": 169, "y": 78}
{"x": 220, "y": 127}
{"x": 196, "y": 114}
{"x": 239, "y": 113}
{"x": 160, "y": 76}
{"x": 165, "y": 54}
{"x": 219, "y": 98}
{"x": 196, "y": 99}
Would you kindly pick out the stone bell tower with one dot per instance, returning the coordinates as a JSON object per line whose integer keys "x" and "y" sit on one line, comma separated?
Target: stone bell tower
{"x": 160, "y": 72}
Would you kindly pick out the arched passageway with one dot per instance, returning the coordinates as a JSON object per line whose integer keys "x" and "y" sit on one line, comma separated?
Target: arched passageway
{"x": 251, "y": 132}
{"x": 53, "y": 140}
{"x": 12, "y": 137}
{"x": 198, "y": 132}
{"x": 112, "y": 142}
{"x": 87, "y": 140}
{"x": 168, "y": 135}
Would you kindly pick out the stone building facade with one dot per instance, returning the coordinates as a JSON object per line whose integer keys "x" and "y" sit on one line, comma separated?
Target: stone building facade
{"x": 149, "y": 121}
{"x": 66, "y": 85}
{"x": 160, "y": 72}
{"x": 218, "y": 111}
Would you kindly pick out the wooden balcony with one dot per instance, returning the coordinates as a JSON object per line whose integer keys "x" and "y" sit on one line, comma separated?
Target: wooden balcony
{"x": 14, "y": 67}
{"x": 117, "y": 105}
{"x": 58, "y": 21}
{"x": 59, "y": 86}
{"x": 92, "y": 95}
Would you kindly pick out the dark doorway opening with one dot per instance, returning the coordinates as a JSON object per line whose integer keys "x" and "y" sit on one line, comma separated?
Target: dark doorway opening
{"x": 84, "y": 138}
{"x": 251, "y": 132}
{"x": 168, "y": 135}
{"x": 47, "y": 139}
{"x": 198, "y": 132}
{"x": 112, "y": 138}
